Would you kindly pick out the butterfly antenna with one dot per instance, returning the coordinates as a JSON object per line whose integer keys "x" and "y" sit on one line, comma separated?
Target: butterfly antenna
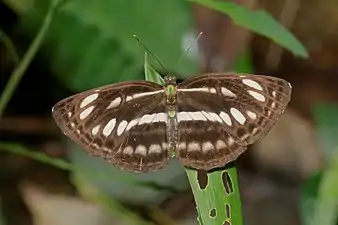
{"x": 190, "y": 47}
{"x": 152, "y": 54}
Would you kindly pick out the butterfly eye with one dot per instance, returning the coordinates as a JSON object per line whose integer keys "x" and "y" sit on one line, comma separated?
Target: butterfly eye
{"x": 170, "y": 79}
{"x": 206, "y": 121}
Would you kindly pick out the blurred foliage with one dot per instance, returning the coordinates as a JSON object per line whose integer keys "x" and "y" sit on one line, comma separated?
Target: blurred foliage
{"x": 2, "y": 217}
{"x": 320, "y": 193}
{"x": 326, "y": 116}
{"x": 259, "y": 22}
{"x": 92, "y": 44}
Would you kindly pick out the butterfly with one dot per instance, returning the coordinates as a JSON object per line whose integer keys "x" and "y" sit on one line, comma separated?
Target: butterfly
{"x": 205, "y": 121}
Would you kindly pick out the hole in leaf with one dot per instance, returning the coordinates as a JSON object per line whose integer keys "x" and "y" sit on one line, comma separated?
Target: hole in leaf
{"x": 227, "y": 183}
{"x": 202, "y": 178}
{"x": 227, "y": 211}
{"x": 212, "y": 213}
{"x": 226, "y": 223}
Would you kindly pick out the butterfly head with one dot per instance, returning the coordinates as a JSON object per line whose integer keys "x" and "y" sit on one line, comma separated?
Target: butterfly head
{"x": 170, "y": 79}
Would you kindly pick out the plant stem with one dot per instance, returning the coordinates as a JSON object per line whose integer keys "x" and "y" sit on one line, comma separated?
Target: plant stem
{"x": 10, "y": 47}
{"x": 17, "y": 74}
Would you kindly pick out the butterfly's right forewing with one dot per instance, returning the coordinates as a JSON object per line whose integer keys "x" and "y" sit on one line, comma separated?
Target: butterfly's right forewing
{"x": 114, "y": 122}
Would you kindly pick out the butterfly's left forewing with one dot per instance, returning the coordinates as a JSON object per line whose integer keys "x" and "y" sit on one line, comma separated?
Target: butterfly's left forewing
{"x": 120, "y": 123}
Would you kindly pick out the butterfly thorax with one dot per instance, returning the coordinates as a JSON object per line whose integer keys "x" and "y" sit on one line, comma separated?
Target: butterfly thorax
{"x": 170, "y": 89}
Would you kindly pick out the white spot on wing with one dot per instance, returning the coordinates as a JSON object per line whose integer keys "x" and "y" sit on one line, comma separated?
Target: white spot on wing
{"x": 69, "y": 114}
{"x": 254, "y": 131}
{"x": 182, "y": 145}
{"x": 274, "y": 93}
{"x": 202, "y": 89}
{"x": 208, "y": 116}
{"x": 95, "y": 130}
{"x": 86, "y": 112}
{"x": 89, "y": 99}
{"x": 231, "y": 141}
{"x": 109, "y": 127}
{"x": 226, "y": 118}
{"x": 257, "y": 95}
{"x": 197, "y": 116}
{"x": 132, "y": 124}
{"x": 204, "y": 116}
{"x": 237, "y": 115}
{"x": 95, "y": 145}
{"x": 141, "y": 149}
{"x": 148, "y": 118}
{"x": 121, "y": 127}
{"x": 105, "y": 149}
{"x": 212, "y": 90}
{"x": 226, "y": 92}
{"x": 253, "y": 84}
{"x": 183, "y": 116}
{"x": 251, "y": 114}
{"x": 128, "y": 150}
{"x": 220, "y": 145}
{"x": 164, "y": 146}
{"x": 217, "y": 118}
{"x": 139, "y": 95}
{"x": 207, "y": 146}
{"x": 116, "y": 102}
{"x": 194, "y": 147}
{"x": 160, "y": 117}
{"x": 155, "y": 148}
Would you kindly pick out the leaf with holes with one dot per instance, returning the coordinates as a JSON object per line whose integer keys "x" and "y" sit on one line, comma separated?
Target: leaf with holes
{"x": 216, "y": 195}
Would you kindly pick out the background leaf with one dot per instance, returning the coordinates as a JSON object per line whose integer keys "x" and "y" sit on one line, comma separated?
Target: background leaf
{"x": 259, "y": 22}
{"x": 92, "y": 44}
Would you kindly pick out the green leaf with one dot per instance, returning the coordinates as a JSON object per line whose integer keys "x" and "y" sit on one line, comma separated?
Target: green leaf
{"x": 327, "y": 127}
{"x": 309, "y": 194}
{"x": 244, "y": 64}
{"x": 320, "y": 194}
{"x": 258, "y": 21}
{"x": 92, "y": 44}
{"x": 64, "y": 165}
{"x": 326, "y": 205}
{"x": 150, "y": 73}
{"x": 217, "y": 201}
